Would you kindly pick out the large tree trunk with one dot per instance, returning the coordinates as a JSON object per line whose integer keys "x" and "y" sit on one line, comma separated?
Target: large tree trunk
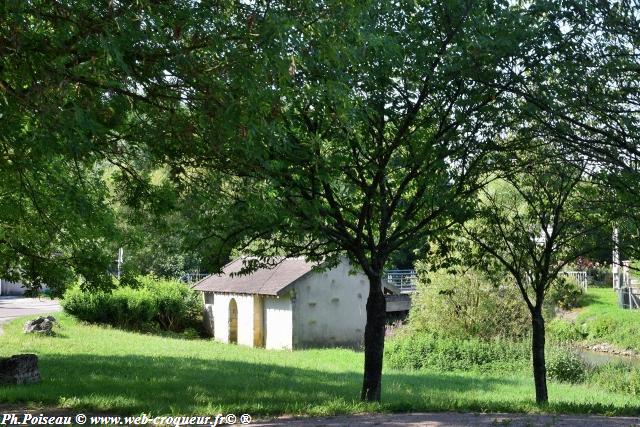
{"x": 374, "y": 341}
{"x": 537, "y": 348}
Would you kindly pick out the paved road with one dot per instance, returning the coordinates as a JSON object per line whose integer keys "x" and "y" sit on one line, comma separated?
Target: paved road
{"x": 454, "y": 419}
{"x": 12, "y": 307}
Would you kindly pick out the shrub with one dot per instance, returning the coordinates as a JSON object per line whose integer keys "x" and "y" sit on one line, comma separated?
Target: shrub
{"x": 566, "y": 293}
{"x": 190, "y": 334}
{"x": 90, "y": 307}
{"x": 617, "y": 377}
{"x": 419, "y": 351}
{"x": 408, "y": 352}
{"x": 177, "y": 305}
{"x": 466, "y": 304}
{"x": 565, "y": 365}
{"x": 564, "y": 331}
{"x": 134, "y": 308}
{"x": 164, "y": 304}
{"x": 602, "y": 326}
{"x": 600, "y": 275}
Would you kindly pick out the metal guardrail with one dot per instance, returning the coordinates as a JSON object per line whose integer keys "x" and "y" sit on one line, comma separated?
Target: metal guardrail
{"x": 629, "y": 298}
{"x": 193, "y": 277}
{"x": 580, "y": 277}
{"x": 404, "y": 280}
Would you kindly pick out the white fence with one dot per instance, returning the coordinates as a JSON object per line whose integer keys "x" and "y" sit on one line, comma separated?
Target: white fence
{"x": 579, "y": 276}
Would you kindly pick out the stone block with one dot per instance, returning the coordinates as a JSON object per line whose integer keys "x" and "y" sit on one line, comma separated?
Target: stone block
{"x": 40, "y": 325}
{"x": 19, "y": 369}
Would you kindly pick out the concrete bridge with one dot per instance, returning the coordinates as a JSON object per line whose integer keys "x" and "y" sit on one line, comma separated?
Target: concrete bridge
{"x": 401, "y": 283}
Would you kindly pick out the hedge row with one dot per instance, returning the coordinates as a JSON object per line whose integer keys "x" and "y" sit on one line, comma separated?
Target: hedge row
{"x": 151, "y": 304}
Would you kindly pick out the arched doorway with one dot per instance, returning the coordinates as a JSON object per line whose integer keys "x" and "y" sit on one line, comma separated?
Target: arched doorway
{"x": 233, "y": 321}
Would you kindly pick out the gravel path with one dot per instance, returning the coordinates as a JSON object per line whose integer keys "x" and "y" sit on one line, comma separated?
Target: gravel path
{"x": 454, "y": 419}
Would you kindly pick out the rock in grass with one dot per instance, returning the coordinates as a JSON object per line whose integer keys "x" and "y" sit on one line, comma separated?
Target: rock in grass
{"x": 19, "y": 369}
{"x": 40, "y": 325}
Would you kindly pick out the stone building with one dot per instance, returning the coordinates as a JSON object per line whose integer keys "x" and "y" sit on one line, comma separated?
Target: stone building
{"x": 288, "y": 307}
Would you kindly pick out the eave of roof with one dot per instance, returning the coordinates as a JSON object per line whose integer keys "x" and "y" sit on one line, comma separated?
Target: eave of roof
{"x": 263, "y": 281}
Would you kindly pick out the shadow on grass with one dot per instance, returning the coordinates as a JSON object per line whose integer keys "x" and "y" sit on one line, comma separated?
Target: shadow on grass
{"x": 168, "y": 384}
{"x": 587, "y": 299}
{"x": 161, "y": 385}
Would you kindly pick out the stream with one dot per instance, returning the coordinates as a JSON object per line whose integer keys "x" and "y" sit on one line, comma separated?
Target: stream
{"x": 598, "y": 358}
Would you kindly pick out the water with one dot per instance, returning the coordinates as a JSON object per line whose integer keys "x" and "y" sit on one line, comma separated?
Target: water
{"x": 598, "y": 358}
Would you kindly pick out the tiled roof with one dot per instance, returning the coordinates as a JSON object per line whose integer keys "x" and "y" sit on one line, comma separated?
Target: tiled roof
{"x": 263, "y": 281}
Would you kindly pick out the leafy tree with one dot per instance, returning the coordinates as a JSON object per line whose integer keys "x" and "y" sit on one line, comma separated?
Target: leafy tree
{"x": 151, "y": 230}
{"x": 533, "y": 223}
{"x": 68, "y": 106}
{"x": 584, "y": 89}
{"x": 315, "y": 129}
{"x": 53, "y": 217}
{"x": 587, "y": 95}
{"x": 357, "y": 130}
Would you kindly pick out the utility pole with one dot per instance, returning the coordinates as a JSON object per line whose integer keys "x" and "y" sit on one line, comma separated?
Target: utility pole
{"x": 120, "y": 260}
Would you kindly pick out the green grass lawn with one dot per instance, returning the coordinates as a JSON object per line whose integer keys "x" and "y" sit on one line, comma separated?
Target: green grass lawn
{"x": 103, "y": 369}
{"x": 605, "y": 301}
{"x": 605, "y": 321}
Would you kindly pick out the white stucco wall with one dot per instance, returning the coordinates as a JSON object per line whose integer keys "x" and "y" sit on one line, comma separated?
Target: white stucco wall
{"x": 278, "y": 322}
{"x": 324, "y": 309}
{"x": 14, "y": 288}
{"x": 11, "y": 288}
{"x": 330, "y": 308}
{"x": 245, "y": 317}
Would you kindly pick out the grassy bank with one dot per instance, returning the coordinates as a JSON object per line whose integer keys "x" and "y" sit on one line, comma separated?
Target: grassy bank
{"x": 100, "y": 368}
{"x": 601, "y": 320}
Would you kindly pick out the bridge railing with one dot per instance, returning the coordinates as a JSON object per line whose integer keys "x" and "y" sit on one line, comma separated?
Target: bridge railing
{"x": 404, "y": 280}
{"x": 192, "y": 277}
